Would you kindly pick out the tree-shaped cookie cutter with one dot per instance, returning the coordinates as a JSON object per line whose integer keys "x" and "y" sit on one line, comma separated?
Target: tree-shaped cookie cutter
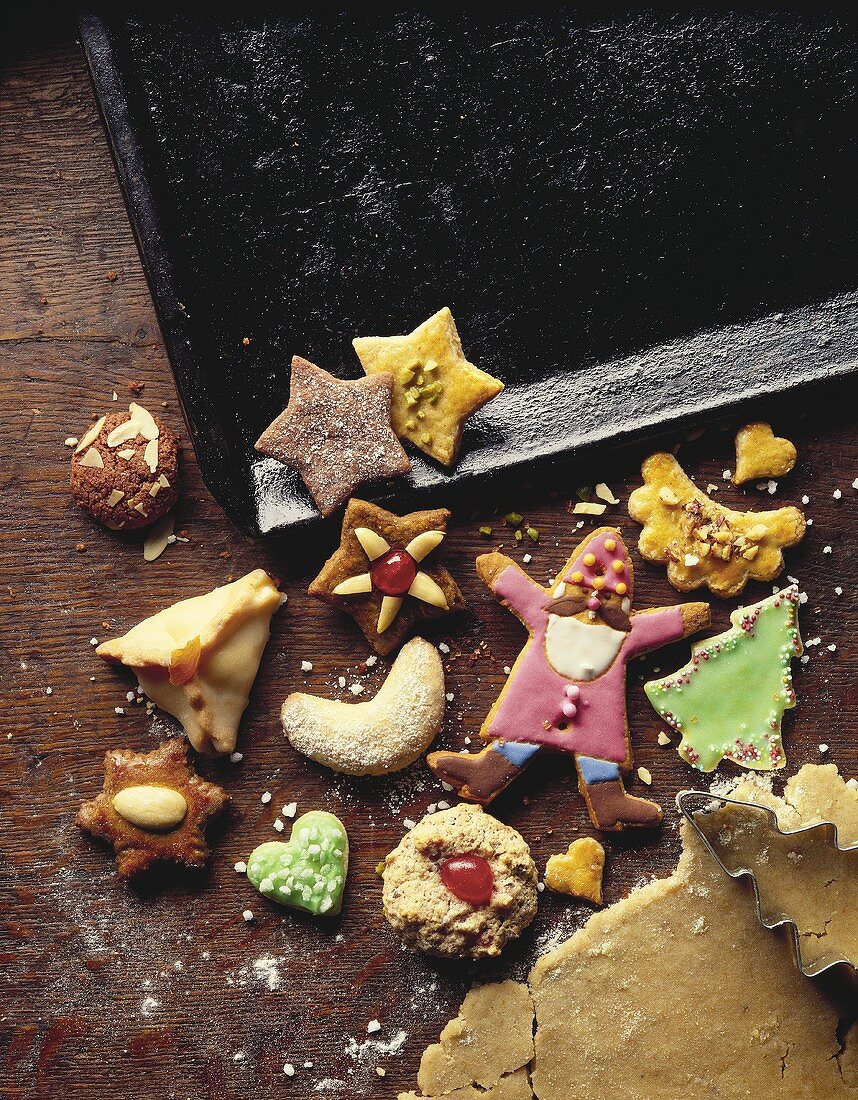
{"x": 685, "y": 803}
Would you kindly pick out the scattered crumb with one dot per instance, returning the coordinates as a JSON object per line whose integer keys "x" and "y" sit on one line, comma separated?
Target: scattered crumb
{"x": 663, "y": 739}
{"x": 645, "y": 775}
{"x": 372, "y": 1026}
{"x": 356, "y": 688}
{"x": 443, "y": 647}
{"x": 236, "y": 757}
{"x": 823, "y": 748}
{"x": 247, "y": 914}
{"x": 837, "y": 494}
{"x": 266, "y": 798}
{"x": 805, "y": 499}
{"x": 278, "y": 825}
{"x": 240, "y": 867}
{"x": 306, "y": 666}
{"x": 408, "y": 823}
{"x": 290, "y": 809}
{"x": 289, "y": 1069}
{"x": 111, "y": 277}
{"x": 726, "y": 474}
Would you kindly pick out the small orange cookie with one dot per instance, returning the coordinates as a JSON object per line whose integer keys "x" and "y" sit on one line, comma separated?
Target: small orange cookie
{"x": 578, "y": 871}
{"x": 702, "y": 542}
{"x": 761, "y": 453}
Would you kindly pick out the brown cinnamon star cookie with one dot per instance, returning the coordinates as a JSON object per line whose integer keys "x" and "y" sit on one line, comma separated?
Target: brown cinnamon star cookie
{"x": 335, "y": 433}
{"x": 153, "y": 807}
{"x": 384, "y": 573}
{"x": 125, "y": 469}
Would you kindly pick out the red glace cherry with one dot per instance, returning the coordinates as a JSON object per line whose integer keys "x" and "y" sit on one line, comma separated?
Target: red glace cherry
{"x": 470, "y": 878}
{"x": 393, "y": 573}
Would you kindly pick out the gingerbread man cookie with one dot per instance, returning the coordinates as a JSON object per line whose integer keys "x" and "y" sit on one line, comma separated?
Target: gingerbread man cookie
{"x": 567, "y": 690}
{"x": 703, "y": 542}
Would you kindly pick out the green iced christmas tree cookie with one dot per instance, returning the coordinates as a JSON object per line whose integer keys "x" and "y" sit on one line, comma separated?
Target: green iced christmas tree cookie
{"x": 308, "y": 871}
{"x": 728, "y": 701}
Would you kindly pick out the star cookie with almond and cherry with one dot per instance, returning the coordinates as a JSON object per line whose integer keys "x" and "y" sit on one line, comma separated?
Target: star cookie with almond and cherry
{"x": 386, "y": 573}
{"x": 153, "y": 807}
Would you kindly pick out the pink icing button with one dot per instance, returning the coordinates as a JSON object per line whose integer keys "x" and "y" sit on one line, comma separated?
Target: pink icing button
{"x": 572, "y": 691}
{"x": 593, "y": 603}
{"x": 569, "y": 709}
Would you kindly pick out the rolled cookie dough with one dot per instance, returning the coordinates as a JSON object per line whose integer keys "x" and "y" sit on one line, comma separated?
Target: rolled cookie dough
{"x": 678, "y": 990}
{"x": 484, "y": 1047}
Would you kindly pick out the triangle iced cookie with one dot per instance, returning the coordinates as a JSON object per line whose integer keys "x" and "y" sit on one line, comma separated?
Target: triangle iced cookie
{"x": 198, "y": 659}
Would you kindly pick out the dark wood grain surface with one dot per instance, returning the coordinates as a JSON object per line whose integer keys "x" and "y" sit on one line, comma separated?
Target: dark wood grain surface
{"x": 166, "y": 991}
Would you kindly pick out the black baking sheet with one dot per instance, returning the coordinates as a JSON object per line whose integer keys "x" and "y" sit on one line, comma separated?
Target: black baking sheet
{"x": 636, "y": 218}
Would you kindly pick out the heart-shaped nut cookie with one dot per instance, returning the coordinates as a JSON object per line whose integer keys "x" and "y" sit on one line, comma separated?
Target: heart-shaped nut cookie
{"x": 578, "y": 871}
{"x": 761, "y": 453}
{"x": 308, "y": 871}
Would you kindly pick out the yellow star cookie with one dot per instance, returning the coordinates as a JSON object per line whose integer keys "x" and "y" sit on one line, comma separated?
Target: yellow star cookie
{"x": 435, "y": 388}
{"x": 578, "y": 871}
{"x": 702, "y": 542}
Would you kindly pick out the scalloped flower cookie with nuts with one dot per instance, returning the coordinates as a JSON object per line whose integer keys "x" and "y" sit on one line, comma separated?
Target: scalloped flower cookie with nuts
{"x": 125, "y": 469}
{"x": 460, "y": 884}
{"x": 705, "y": 543}
{"x": 435, "y": 388}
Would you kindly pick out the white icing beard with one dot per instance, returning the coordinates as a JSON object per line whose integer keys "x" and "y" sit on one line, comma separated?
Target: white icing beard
{"x": 581, "y": 651}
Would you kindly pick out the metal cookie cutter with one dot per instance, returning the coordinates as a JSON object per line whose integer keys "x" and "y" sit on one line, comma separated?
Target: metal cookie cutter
{"x": 692, "y": 803}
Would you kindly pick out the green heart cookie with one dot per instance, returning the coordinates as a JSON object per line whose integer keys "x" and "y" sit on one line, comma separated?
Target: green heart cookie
{"x": 309, "y": 870}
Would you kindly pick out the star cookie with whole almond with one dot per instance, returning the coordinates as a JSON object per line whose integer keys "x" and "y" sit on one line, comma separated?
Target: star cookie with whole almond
{"x": 153, "y": 807}
{"x": 435, "y": 388}
{"x": 337, "y": 434}
{"x": 385, "y": 573}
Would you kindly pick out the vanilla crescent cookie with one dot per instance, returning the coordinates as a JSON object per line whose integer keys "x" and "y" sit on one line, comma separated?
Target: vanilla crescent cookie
{"x": 381, "y": 735}
{"x": 460, "y": 884}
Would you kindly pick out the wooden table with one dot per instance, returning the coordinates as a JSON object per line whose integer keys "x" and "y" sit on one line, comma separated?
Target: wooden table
{"x": 168, "y": 992}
